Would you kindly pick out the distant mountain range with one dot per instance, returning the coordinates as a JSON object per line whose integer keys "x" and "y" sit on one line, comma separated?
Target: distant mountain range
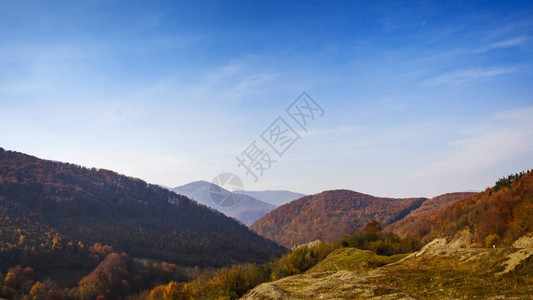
{"x": 330, "y": 215}
{"x": 502, "y": 213}
{"x": 46, "y": 206}
{"x": 277, "y": 198}
{"x": 247, "y": 210}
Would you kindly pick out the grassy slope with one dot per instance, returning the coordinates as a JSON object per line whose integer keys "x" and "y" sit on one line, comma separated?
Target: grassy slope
{"x": 454, "y": 277}
{"x": 460, "y": 274}
{"x": 353, "y": 259}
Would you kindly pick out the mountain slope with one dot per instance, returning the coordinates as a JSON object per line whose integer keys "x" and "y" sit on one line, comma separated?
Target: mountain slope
{"x": 275, "y": 197}
{"x": 247, "y": 210}
{"x": 432, "y": 273}
{"x": 46, "y": 198}
{"x": 430, "y": 206}
{"x": 329, "y": 216}
{"x": 504, "y": 213}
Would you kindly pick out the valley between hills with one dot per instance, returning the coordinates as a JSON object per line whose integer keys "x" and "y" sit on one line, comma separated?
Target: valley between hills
{"x": 265, "y": 150}
{"x": 71, "y": 232}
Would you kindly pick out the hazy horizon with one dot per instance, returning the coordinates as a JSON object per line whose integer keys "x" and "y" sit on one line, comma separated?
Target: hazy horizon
{"x": 418, "y": 99}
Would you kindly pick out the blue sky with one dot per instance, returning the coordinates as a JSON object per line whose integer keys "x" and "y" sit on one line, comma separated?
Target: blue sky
{"x": 420, "y": 98}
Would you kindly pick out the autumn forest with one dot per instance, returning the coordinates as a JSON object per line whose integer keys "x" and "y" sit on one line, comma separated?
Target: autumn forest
{"x": 70, "y": 232}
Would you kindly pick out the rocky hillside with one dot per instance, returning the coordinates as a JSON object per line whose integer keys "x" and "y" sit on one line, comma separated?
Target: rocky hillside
{"x": 443, "y": 269}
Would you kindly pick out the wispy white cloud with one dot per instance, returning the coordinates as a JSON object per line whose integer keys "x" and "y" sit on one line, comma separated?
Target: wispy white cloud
{"x": 237, "y": 78}
{"x": 508, "y": 43}
{"x": 230, "y": 82}
{"x": 81, "y": 50}
{"x": 469, "y": 75}
{"x": 479, "y": 46}
{"x": 502, "y": 136}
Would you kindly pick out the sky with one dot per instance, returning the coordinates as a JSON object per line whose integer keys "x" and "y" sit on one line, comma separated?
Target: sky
{"x": 419, "y": 98}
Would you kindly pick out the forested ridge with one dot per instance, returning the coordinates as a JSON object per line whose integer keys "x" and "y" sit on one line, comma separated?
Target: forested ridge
{"x": 496, "y": 216}
{"x": 429, "y": 207}
{"x": 330, "y": 215}
{"x": 52, "y": 214}
{"x": 70, "y": 232}
{"x": 233, "y": 282}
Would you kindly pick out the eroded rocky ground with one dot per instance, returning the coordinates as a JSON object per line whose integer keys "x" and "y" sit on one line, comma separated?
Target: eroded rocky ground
{"x": 441, "y": 270}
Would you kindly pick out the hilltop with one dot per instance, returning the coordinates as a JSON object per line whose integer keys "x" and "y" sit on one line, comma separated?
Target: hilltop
{"x": 44, "y": 202}
{"x": 330, "y": 215}
{"x": 498, "y": 215}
